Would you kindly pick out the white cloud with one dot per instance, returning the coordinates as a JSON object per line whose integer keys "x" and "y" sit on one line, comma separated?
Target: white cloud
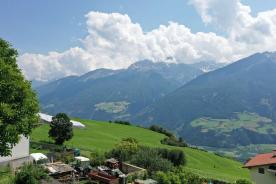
{"x": 114, "y": 41}
{"x": 247, "y": 33}
{"x": 221, "y": 13}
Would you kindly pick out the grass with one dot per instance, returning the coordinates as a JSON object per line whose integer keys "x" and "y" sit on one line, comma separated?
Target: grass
{"x": 246, "y": 120}
{"x": 112, "y": 107}
{"x": 5, "y": 175}
{"x": 103, "y": 136}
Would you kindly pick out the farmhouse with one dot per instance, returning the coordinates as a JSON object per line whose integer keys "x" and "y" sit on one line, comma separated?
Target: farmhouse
{"x": 263, "y": 168}
{"x": 19, "y": 155}
{"x": 116, "y": 172}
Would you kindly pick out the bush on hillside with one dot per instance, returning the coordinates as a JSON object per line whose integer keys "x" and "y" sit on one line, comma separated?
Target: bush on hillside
{"x": 122, "y": 122}
{"x": 161, "y": 130}
{"x": 175, "y": 156}
{"x": 243, "y": 181}
{"x": 124, "y": 150}
{"x": 97, "y": 159}
{"x": 178, "y": 176}
{"x": 151, "y": 160}
{"x": 172, "y": 141}
{"x": 30, "y": 174}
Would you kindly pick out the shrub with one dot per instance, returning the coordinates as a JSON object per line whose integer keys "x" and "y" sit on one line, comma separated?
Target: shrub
{"x": 124, "y": 150}
{"x": 177, "y": 157}
{"x": 178, "y": 176}
{"x": 30, "y": 174}
{"x": 151, "y": 160}
{"x": 97, "y": 159}
{"x": 130, "y": 140}
{"x": 122, "y": 122}
{"x": 243, "y": 181}
{"x": 161, "y": 130}
{"x": 172, "y": 141}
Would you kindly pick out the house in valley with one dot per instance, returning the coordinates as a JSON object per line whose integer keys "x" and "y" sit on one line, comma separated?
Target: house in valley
{"x": 262, "y": 168}
{"x": 19, "y": 155}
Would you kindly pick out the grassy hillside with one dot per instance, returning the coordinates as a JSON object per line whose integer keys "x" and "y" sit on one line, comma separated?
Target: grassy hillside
{"x": 103, "y": 136}
{"x": 251, "y": 121}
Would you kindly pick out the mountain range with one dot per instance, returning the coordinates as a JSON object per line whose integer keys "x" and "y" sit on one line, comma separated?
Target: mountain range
{"x": 243, "y": 92}
{"x": 106, "y": 94}
{"x": 208, "y": 104}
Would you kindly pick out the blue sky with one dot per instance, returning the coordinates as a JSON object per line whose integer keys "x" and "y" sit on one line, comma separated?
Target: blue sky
{"x": 58, "y": 38}
{"x": 40, "y": 26}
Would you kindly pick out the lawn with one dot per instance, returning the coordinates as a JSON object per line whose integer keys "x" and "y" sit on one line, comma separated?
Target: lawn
{"x": 246, "y": 120}
{"x": 5, "y": 175}
{"x": 103, "y": 136}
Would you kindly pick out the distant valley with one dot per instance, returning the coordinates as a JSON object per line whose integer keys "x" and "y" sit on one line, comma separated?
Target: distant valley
{"x": 236, "y": 105}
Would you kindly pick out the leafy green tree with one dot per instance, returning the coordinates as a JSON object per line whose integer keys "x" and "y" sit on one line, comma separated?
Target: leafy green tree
{"x": 61, "y": 129}
{"x": 124, "y": 150}
{"x": 151, "y": 160}
{"x": 176, "y": 156}
{"x": 18, "y": 102}
{"x": 178, "y": 176}
{"x": 30, "y": 174}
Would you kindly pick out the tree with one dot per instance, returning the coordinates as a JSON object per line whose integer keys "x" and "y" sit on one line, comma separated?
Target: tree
{"x": 61, "y": 129}
{"x": 18, "y": 102}
{"x": 150, "y": 159}
{"x": 124, "y": 150}
{"x": 176, "y": 156}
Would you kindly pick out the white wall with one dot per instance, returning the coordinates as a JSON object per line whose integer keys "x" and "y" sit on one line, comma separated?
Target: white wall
{"x": 266, "y": 178}
{"x": 20, "y": 150}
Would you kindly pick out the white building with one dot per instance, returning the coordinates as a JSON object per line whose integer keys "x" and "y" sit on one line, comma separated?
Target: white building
{"x": 262, "y": 168}
{"x": 20, "y": 154}
{"x": 47, "y": 119}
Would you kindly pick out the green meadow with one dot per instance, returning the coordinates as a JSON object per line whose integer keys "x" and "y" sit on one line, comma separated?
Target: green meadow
{"x": 5, "y": 175}
{"x": 103, "y": 136}
{"x": 246, "y": 120}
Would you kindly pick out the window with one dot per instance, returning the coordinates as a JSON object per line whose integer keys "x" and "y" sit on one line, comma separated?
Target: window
{"x": 261, "y": 170}
{"x": 272, "y": 167}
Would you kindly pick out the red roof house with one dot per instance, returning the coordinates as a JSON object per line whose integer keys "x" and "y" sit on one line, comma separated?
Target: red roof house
{"x": 262, "y": 168}
{"x": 262, "y": 160}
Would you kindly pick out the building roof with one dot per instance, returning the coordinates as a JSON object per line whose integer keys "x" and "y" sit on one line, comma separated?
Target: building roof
{"x": 112, "y": 160}
{"x": 48, "y": 118}
{"x": 148, "y": 181}
{"x": 38, "y": 156}
{"x": 261, "y": 160}
{"x": 58, "y": 168}
{"x": 82, "y": 159}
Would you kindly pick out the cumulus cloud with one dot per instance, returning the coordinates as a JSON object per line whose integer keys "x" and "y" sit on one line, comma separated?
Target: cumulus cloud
{"x": 221, "y": 13}
{"x": 245, "y": 31}
{"x": 114, "y": 41}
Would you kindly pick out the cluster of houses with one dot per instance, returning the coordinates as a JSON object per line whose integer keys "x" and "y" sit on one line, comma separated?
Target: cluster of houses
{"x": 113, "y": 172}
